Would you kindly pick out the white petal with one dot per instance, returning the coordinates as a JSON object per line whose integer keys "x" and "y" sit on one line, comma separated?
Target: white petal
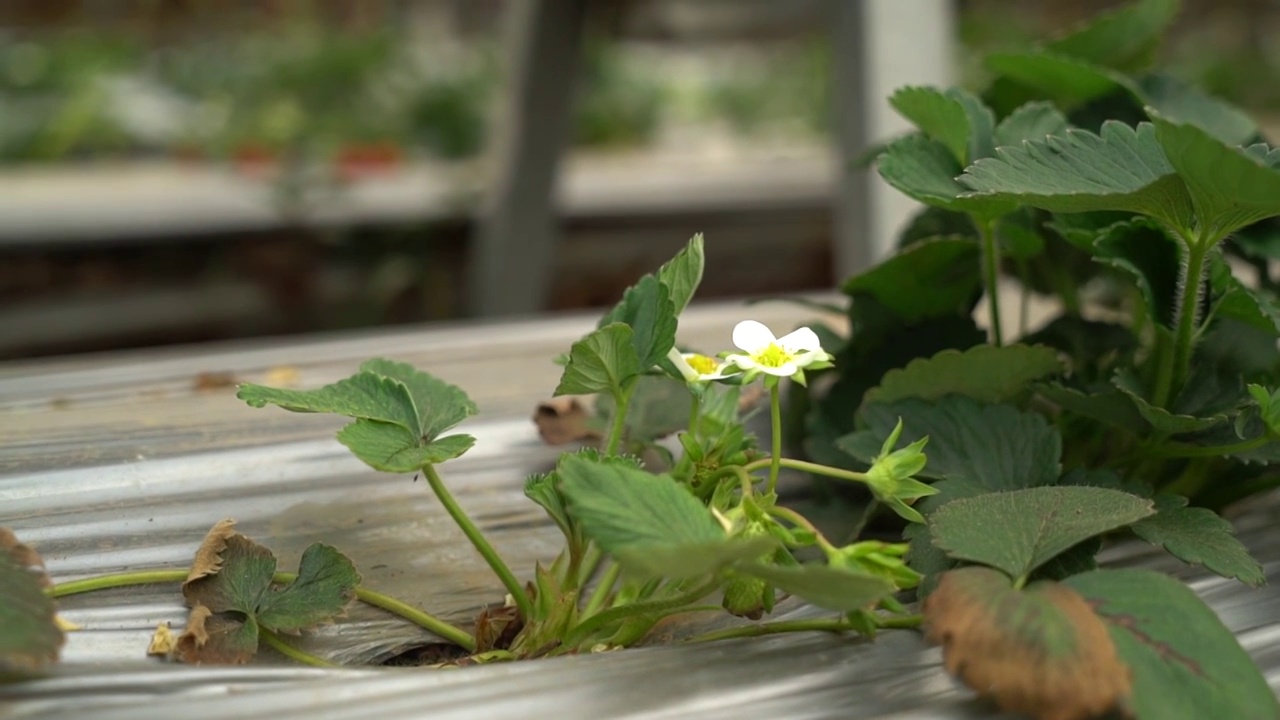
{"x": 682, "y": 365}
{"x": 802, "y": 340}
{"x": 805, "y": 359}
{"x": 786, "y": 369}
{"x": 742, "y": 361}
{"x": 751, "y": 336}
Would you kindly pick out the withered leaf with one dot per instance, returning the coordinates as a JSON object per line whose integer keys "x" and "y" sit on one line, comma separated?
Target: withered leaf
{"x": 1041, "y": 651}
{"x": 30, "y": 636}
{"x": 208, "y": 558}
{"x": 23, "y": 555}
{"x": 217, "y": 639}
{"x": 497, "y": 627}
{"x": 562, "y": 420}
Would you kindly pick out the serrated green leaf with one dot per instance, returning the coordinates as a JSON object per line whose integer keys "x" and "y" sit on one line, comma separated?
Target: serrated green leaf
{"x": 1078, "y": 171}
{"x": 925, "y": 170}
{"x": 827, "y": 587}
{"x": 1162, "y": 420}
{"x": 1032, "y": 121}
{"x": 647, "y": 308}
{"x": 682, "y": 274}
{"x": 952, "y": 117}
{"x": 929, "y": 279}
{"x": 1144, "y": 251}
{"x": 1094, "y": 347}
{"x": 1233, "y": 299}
{"x": 1186, "y": 665}
{"x": 1020, "y": 530}
{"x": 1038, "y": 651}
{"x": 1179, "y": 101}
{"x": 1125, "y": 38}
{"x": 541, "y": 489}
{"x": 325, "y": 585}
{"x": 1066, "y": 81}
{"x": 1107, "y": 405}
{"x": 1230, "y": 187}
{"x": 29, "y": 635}
{"x": 365, "y": 395}
{"x": 994, "y": 447}
{"x": 391, "y": 448}
{"x": 1199, "y": 537}
{"x": 439, "y": 405}
{"x": 1268, "y": 405}
{"x": 985, "y": 373}
{"x": 600, "y": 362}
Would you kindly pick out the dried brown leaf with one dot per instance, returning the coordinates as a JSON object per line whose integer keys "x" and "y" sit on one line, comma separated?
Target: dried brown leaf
{"x": 208, "y": 560}
{"x": 562, "y": 420}
{"x": 213, "y": 639}
{"x": 23, "y": 555}
{"x": 209, "y": 381}
{"x": 1041, "y": 651}
{"x": 497, "y": 627}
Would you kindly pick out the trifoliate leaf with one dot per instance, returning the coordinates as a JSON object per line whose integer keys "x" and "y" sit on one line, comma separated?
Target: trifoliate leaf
{"x": 600, "y": 362}
{"x": 929, "y": 279}
{"x": 985, "y": 373}
{"x": 1033, "y": 121}
{"x": 1020, "y": 530}
{"x": 925, "y": 170}
{"x": 1198, "y": 536}
{"x": 1230, "y": 187}
{"x": 1185, "y": 664}
{"x": 682, "y": 274}
{"x": 650, "y": 523}
{"x": 833, "y": 588}
{"x": 1040, "y": 651}
{"x": 1125, "y": 39}
{"x": 647, "y": 309}
{"x": 952, "y": 117}
{"x": 30, "y": 637}
{"x": 232, "y": 598}
{"x": 1119, "y": 169}
{"x": 399, "y": 412}
{"x": 1066, "y": 81}
{"x": 995, "y": 447}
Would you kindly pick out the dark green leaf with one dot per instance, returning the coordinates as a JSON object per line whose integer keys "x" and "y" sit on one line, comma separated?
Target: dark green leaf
{"x": 1238, "y": 301}
{"x": 929, "y": 279}
{"x": 931, "y": 223}
{"x": 1066, "y": 81}
{"x": 600, "y": 362}
{"x": 364, "y": 395}
{"x": 29, "y": 635}
{"x": 1094, "y": 347}
{"x": 833, "y": 588}
{"x": 1033, "y": 121}
{"x": 1163, "y": 421}
{"x": 439, "y": 405}
{"x": 1181, "y": 102}
{"x": 1020, "y": 530}
{"x": 1125, "y": 39}
{"x": 925, "y": 170}
{"x": 1198, "y": 536}
{"x": 1018, "y": 235}
{"x": 659, "y": 406}
{"x": 1105, "y": 404}
{"x": 1142, "y": 249}
{"x": 984, "y": 372}
{"x": 647, "y": 308}
{"x": 939, "y": 115}
{"x": 682, "y": 274}
{"x": 391, "y": 448}
{"x": 1119, "y": 169}
{"x": 1186, "y": 665}
{"x": 1268, "y": 406}
{"x": 1076, "y": 559}
{"x": 1229, "y": 186}
{"x": 325, "y": 585}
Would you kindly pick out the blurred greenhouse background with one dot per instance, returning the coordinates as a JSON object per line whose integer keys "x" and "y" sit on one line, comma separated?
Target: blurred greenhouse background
{"x": 186, "y": 170}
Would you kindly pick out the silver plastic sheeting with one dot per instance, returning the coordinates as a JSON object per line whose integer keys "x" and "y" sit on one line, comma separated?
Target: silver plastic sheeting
{"x": 124, "y": 461}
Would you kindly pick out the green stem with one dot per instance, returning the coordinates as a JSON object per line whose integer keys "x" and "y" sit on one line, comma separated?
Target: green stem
{"x": 991, "y": 275}
{"x": 621, "y": 401}
{"x": 695, "y": 408}
{"x": 900, "y": 622}
{"x": 1188, "y": 311}
{"x": 813, "y": 625}
{"x": 479, "y": 542}
{"x": 809, "y": 467}
{"x": 801, "y": 521}
{"x": 601, "y": 593}
{"x": 365, "y": 595}
{"x": 273, "y": 640}
{"x": 590, "y": 563}
{"x": 1024, "y": 299}
{"x": 1183, "y": 450}
{"x": 775, "y": 415}
{"x": 599, "y": 620}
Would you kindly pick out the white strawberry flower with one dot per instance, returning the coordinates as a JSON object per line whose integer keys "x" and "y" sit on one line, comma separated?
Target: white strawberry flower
{"x": 787, "y": 356}
{"x": 697, "y": 368}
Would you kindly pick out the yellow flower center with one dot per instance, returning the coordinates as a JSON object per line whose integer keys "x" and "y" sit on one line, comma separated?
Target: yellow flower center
{"x": 702, "y": 364}
{"x": 773, "y": 356}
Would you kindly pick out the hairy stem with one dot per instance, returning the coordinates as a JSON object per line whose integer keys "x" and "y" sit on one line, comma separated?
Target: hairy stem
{"x": 479, "y": 542}
{"x": 1189, "y": 286}
{"x": 803, "y": 522}
{"x": 273, "y": 641}
{"x": 991, "y": 275}
{"x": 621, "y": 401}
{"x": 808, "y": 467}
{"x": 602, "y": 590}
{"x": 775, "y": 415}
{"x": 365, "y": 595}
{"x": 666, "y": 606}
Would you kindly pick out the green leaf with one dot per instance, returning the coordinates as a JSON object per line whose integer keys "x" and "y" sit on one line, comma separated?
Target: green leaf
{"x": 541, "y": 489}
{"x": 833, "y": 588}
{"x": 1106, "y": 405}
{"x": 1020, "y": 530}
{"x": 399, "y": 412}
{"x": 1235, "y": 300}
{"x": 1185, "y": 664}
{"x": 1197, "y": 536}
{"x": 984, "y": 372}
{"x": 647, "y": 308}
{"x": 929, "y": 279}
{"x": 29, "y": 635}
{"x": 391, "y": 448}
{"x": 1230, "y": 187}
{"x": 682, "y": 274}
{"x": 1268, "y": 405}
{"x": 952, "y": 117}
{"x": 1095, "y": 348}
{"x": 659, "y": 406}
{"x": 600, "y": 362}
{"x": 1125, "y": 39}
{"x": 1162, "y": 420}
{"x": 1143, "y": 250}
{"x": 1180, "y": 102}
{"x": 649, "y": 523}
{"x": 229, "y": 591}
{"x": 994, "y": 447}
{"x": 1078, "y": 171}
{"x": 1066, "y": 81}
{"x": 1032, "y": 121}
{"x": 1038, "y": 652}
{"x": 925, "y": 170}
